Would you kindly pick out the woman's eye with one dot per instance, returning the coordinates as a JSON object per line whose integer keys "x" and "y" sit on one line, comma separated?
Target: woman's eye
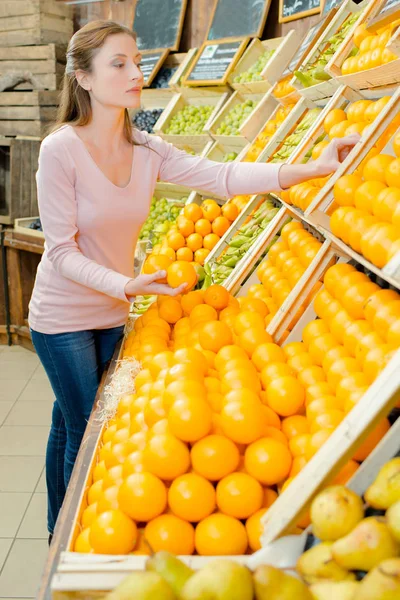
{"x": 119, "y": 65}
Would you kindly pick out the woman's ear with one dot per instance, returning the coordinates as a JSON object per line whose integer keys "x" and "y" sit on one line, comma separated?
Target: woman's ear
{"x": 83, "y": 80}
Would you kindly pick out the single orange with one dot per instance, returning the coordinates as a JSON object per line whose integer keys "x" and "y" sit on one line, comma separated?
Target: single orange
{"x": 191, "y": 497}
{"x": 375, "y": 167}
{"x": 214, "y": 335}
{"x": 285, "y": 396}
{"x": 272, "y": 370}
{"x": 210, "y": 210}
{"x": 217, "y": 297}
{"x": 194, "y": 242}
{"x": 210, "y": 241}
{"x": 252, "y": 338}
{"x": 166, "y": 457}
{"x": 239, "y": 495}
{"x": 230, "y": 211}
{"x": 185, "y": 225}
{"x": 248, "y": 319}
{"x": 220, "y": 535}
{"x": 170, "y": 534}
{"x": 190, "y": 300}
{"x": 220, "y": 225}
{"x": 214, "y": 457}
{"x": 202, "y": 313}
{"x": 184, "y": 254}
{"x": 200, "y": 255}
{"x": 181, "y": 272}
{"x": 294, "y": 426}
{"x": 113, "y": 532}
{"x": 193, "y": 212}
{"x": 268, "y": 460}
{"x": 189, "y": 418}
{"x": 298, "y": 444}
{"x": 345, "y": 188}
{"x": 203, "y": 227}
{"x": 255, "y": 528}
{"x": 242, "y": 417}
{"x": 334, "y": 117}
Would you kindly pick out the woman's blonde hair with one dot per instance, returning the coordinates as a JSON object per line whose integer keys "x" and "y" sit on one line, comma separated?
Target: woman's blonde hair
{"x": 75, "y": 106}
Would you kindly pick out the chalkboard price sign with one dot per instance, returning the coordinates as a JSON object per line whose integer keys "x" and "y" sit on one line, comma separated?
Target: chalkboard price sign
{"x": 214, "y": 62}
{"x": 290, "y": 10}
{"x": 388, "y": 12}
{"x": 158, "y": 23}
{"x": 151, "y": 63}
{"x": 238, "y": 18}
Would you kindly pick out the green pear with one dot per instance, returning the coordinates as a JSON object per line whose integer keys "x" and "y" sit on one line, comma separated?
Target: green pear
{"x": 385, "y": 490}
{"x": 382, "y": 583}
{"x": 393, "y": 520}
{"x": 220, "y": 579}
{"x": 142, "y": 585}
{"x": 366, "y": 546}
{"x": 173, "y": 570}
{"x": 318, "y": 563}
{"x": 335, "y": 512}
{"x": 334, "y": 590}
{"x": 272, "y": 584}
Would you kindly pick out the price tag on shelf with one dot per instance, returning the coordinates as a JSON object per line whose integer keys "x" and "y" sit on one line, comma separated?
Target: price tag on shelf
{"x": 214, "y": 62}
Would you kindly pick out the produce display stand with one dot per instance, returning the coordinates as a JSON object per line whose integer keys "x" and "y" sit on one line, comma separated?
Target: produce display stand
{"x": 327, "y": 88}
{"x": 192, "y": 97}
{"x": 217, "y": 150}
{"x": 284, "y": 49}
{"x": 382, "y": 76}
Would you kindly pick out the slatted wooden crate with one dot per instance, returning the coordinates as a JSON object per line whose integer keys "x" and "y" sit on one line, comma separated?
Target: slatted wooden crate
{"x": 284, "y": 49}
{"x": 18, "y": 166}
{"x": 377, "y": 77}
{"x": 217, "y": 151}
{"x": 249, "y": 128}
{"x": 29, "y": 22}
{"x": 22, "y": 226}
{"x": 325, "y": 89}
{"x": 292, "y": 121}
{"x": 215, "y": 97}
{"x": 46, "y": 63}
{"x": 27, "y": 113}
{"x": 246, "y": 276}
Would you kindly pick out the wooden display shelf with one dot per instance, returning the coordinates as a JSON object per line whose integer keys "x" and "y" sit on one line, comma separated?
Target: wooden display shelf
{"x": 197, "y": 197}
{"x": 193, "y": 97}
{"x": 250, "y": 126}
{"x": 46, "y": 63}
{"x": 185, "y": 64}
{"x": 284, "y": 49}
{"x": 326, "y": 89}
{"x": 289, "y": 125}
{"x": 31, "y": 22}
{"x": 378, "y": 77}
{"x": 22, "y": 226}
{"x": 216, "y": 151}
{"x": 27, "y": 113}
{"x": 18, "y": 166}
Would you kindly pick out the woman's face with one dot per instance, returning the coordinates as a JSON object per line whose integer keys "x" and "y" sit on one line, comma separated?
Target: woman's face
{"x": 116, "y": 79}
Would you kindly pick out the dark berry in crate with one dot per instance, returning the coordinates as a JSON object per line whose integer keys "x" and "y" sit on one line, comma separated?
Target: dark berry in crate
{"x": 36, "y": 225}
{"x": 163, "y": 76}
{"x": 144, "y": 120}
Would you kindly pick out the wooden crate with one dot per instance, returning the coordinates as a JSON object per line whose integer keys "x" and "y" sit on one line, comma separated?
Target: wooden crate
{"x": 197, "y": 197}
{"x": 18, "y": 166}
{"x": 46, "y": 63}
{"x": 326, "y": 89}
{"x": 381, "y": 133}
{"x": 188, "y": 58}
{"x": 27, "y": 113}
{"x": 290, "y": 124}
{"x": 250, "y": 126}
{"x": 22, "y": 226}
{"x": 192, "y": 97}
{"x": 29, "y": 22}
{"x": 216, "y": 151}
{"x": 378, "y": 77}
{"x": 285, "y": 47}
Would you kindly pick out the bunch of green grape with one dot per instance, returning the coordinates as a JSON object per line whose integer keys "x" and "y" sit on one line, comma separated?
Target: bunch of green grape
{"x": 190, "y": 120}
{"x": 254, "y": 73}
{"x": 233, "y": 120}
{"x": 229, "y": 157}
{"x": 163, "y": 215}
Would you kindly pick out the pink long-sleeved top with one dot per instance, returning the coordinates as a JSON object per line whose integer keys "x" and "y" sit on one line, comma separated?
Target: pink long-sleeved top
{"x": 91, "y": 226}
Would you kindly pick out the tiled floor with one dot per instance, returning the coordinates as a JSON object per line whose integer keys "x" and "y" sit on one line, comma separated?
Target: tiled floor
{"x": 25, "y": 408}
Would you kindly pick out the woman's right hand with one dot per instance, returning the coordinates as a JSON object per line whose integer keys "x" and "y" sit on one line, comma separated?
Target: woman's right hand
{"x": 149, "y": 285}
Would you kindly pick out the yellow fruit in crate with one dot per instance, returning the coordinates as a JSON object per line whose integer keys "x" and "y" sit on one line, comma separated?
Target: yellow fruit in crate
{"x": 268, "y": 460}
{"x": 386, "y": 203}
{"x": 392, "y": 173}
{"x": 191, "y": 497}
{"x": 334, "y": 117}
{"x": 175, "y": 240}
{"x": 142, "y": 496}
{"x": 193, "y": 212}
{"x": 242, "y": 417}
{"x": 113, "y": 532}
{"x": 318, "y": 149}
{"x": 171, "y": 534}
{"x": 356, "y": 111}
{"x": 82, "y": 542}
{"x": 239, "y": 495}
{"x": 181, "y": 272}
{"x": 375, "y": 169}
{"x": 339, "y": 130}
{"x": 356, "y": 128}
{"x": 254, "y": 528}
{"x": 366, "y": 193}
{"x": 396, "y": 144}
{"x": 220, "y": 535}
{"x": 214, "y": 457}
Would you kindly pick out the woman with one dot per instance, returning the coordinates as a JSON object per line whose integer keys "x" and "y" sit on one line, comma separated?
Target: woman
{"x": 95, "y": 181}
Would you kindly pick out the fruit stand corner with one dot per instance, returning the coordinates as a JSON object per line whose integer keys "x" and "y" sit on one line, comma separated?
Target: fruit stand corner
{"x": 227, "y": 414}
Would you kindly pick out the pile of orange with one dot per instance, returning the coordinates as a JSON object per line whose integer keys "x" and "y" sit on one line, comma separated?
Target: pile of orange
{"x": 286, "y": 262}
{"x": 338, "y": 123}
{"x": 368, "y": 217}
{"x": 372, "y": 49}
{"x": 283, "y": 87}
{"x": 198, "y": 229}
{"x": 222, "y": 418}
{"x": 268, "y": 131}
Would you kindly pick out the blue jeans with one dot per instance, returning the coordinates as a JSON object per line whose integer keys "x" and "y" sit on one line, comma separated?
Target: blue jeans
{"x": 74, "y": 363}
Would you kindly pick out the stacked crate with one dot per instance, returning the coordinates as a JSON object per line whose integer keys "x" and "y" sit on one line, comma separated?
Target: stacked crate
{"x": 33, "y": 38}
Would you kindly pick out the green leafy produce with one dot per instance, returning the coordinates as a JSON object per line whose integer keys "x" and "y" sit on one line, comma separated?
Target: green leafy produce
{"x": 190, "y": 120}
{"x": 254, "y": 73}
{"x": 315, "y": 73}
{"x": 293, "y": 140}
{"x": 162, "y": 216}
{"x": 233, "y": 120}
{"x": 220, "y": 269}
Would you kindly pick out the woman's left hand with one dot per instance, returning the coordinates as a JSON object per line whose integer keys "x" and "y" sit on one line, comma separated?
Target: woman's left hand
{"x": 335, "y": 153}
